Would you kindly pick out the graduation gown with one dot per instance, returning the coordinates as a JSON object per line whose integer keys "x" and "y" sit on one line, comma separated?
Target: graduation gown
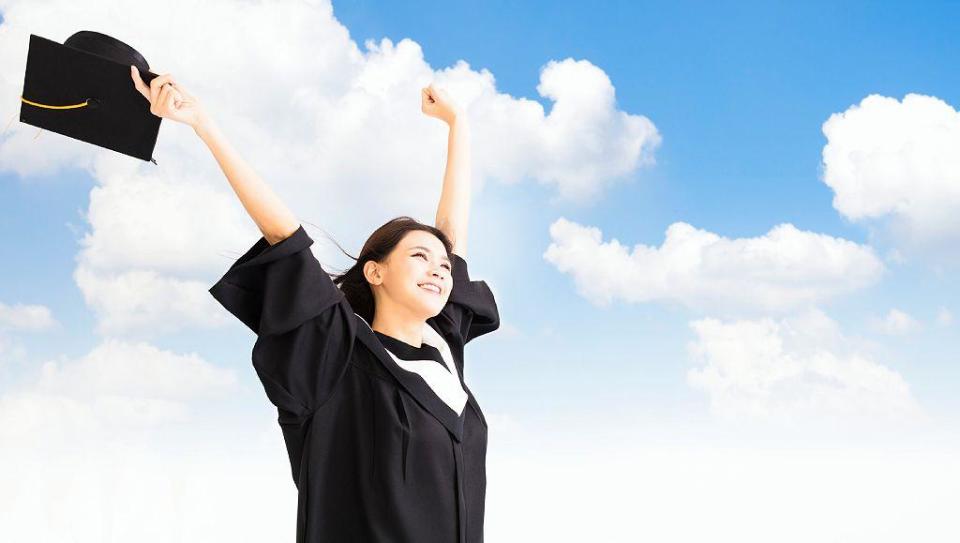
{"x": 377, "y": 453}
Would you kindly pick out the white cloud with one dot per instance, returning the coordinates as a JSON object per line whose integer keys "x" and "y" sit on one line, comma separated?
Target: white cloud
{"x": 316, "y": 116}
{"x": 895, "y": 323}
{"x": 584, "y": 141}
{"x": 784, "y": 268}
{"x": 897, "y": 161}
{"x": 799, "y": 370}
{"x": 146, "y": 303}
{"x": 119, "y": 368}
{"x": 115, "y": 387}
{"x": 26, "y": 317}
{"x": 126, "y": 444}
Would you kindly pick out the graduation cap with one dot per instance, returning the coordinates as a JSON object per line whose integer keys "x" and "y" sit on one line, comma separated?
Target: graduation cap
{"x": 82, "y": 89}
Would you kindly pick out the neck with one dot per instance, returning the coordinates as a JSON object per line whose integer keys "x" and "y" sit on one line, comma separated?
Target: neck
{"x": 399, "y": 325}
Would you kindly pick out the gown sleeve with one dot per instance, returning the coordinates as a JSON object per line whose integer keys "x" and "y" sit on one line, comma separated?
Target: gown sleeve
{"x": 471, "y": 309}
{"x": 304, "y": 323}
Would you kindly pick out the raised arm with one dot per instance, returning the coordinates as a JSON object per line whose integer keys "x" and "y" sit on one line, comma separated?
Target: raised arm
{"x": 170, "y": 100}
{"x": 272, "y": 216}
{"x": 453, "y": 212}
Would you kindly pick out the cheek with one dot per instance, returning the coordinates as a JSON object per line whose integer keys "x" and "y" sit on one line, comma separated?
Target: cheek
{"x": 405, "y": 280}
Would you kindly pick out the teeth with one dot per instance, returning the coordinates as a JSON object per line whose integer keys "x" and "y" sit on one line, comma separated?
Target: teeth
{"x": 432, "y": 288}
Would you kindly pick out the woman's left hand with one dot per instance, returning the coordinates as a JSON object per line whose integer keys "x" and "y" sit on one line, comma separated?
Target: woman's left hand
{"x": 435, "y": 102}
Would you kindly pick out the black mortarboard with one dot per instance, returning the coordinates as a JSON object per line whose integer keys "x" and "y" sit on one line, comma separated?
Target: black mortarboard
{"x": 83, "y": 89}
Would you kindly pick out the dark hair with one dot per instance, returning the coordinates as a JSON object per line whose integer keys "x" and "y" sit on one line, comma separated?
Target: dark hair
{"x": 378, "y": 247}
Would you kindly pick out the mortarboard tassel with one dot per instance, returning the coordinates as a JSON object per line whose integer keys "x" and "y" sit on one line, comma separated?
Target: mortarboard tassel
{"x": 47, "y": 106}
{"x": 71, "y": 106}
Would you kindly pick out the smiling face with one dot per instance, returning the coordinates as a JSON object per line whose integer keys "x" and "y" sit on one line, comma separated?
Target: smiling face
{"x": 405, "y": 279}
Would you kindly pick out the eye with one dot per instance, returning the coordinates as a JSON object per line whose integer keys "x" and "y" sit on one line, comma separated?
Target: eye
{"x": 424, "y": 255}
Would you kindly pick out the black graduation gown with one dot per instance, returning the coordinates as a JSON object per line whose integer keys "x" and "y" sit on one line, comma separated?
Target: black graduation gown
{"x": 376, "y": 455}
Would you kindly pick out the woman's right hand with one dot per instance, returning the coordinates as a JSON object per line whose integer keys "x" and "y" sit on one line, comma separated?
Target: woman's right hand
{"x": 168, "y": 99}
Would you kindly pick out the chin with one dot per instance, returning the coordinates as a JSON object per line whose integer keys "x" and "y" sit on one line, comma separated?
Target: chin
{"x": 430, "y": 309}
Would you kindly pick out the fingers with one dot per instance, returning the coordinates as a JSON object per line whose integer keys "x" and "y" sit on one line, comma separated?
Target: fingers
{"x": 156, "y": 86}
{"x": 433, "y": 94}
{"x": 171, "y": 98}
{"x": 168, "y": 101}
{"x": 152, "y": 92}
{"x": 138, "y": 82}
{"x": 163, "y": 99}
{"x": 428, "y": 95}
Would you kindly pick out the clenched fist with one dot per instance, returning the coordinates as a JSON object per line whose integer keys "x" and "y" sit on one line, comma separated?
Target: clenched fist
{"x": 435, "y": 102}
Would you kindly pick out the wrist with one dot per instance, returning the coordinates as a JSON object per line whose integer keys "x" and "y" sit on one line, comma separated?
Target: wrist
{"x": 458, "y": 117}
{"x": 203, "y": 124}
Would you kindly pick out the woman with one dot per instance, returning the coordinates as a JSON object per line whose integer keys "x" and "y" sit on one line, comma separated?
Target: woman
{"x": 386, "y": 442}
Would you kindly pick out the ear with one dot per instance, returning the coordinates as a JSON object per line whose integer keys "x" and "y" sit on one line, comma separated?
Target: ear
{"x": 371, "y": 271}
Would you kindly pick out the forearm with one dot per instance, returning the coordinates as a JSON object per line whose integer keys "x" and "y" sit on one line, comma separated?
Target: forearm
{"x": 274, "y": 219}
{"x": 453, "y": 212}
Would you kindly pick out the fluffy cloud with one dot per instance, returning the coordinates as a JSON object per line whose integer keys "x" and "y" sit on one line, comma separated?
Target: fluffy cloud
{"x": 782, "y": 269}
{"x": 897, "y": 161}
{"x": 799, "y": 369}
{"x": 315, "y": 122}
{"x": 26, "y": 317}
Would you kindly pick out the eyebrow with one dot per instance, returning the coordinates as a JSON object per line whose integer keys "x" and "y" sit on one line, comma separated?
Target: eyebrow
{"x": 427, "y": 249}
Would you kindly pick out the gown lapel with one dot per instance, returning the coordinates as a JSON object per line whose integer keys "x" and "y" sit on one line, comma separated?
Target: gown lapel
{"x": 413, "y": 383}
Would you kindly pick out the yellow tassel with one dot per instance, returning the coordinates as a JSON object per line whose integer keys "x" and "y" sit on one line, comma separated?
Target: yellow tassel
{"x": 71, "y": 106}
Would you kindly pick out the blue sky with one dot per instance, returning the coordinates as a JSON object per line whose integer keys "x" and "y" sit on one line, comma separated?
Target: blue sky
{"x": 739, "y": 95}
{"x": 739, "y": 91}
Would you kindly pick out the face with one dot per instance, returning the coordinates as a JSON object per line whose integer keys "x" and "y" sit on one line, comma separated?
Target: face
{"x": 418, "y": 259}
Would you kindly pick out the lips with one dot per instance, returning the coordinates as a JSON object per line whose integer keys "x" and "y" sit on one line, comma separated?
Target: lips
{"x": 431, "y": 287}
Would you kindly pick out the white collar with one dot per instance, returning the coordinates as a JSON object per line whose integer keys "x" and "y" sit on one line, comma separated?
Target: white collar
{"x": 445, "y": 384}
